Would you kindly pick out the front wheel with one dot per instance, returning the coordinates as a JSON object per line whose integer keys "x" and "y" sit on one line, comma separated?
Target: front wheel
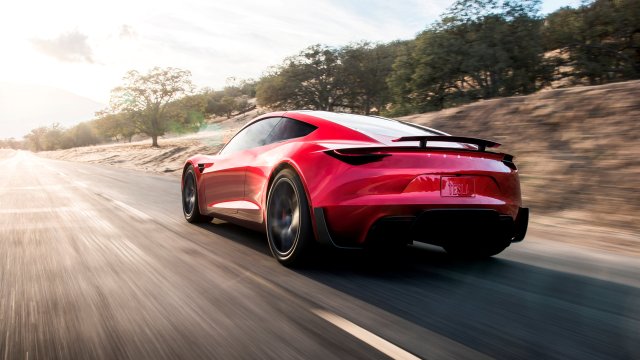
{"x": 190, "y": 207}
{"x": 289, "y": 229}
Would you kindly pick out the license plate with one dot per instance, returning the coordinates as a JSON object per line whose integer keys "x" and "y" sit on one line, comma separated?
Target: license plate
{"x": 458, "y": 186}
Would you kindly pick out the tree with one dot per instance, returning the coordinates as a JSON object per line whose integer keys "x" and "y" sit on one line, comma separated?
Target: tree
{"x": 248, "y": 87}
{"x": 115, "y": 126}
{"x": 399, "y": 80}
{"x": 35, "y": 138}
{"x": 11, "y": 143}
{"x": 145, "y": 97}
{"x": 277, "y": 90}
{"x": 45, "y": 138}
{"x": 479, "y": 49}
{"x": 187, "y": 113}
{"x": 598, "y": 42}
{"x": 241, "y": 104}
{"x": 438, "y": 78}
{"x": 234, "y": 98}
{"x": 220, "y": 104}
{"x": 365, "y": 68}
{"x": 82, "y": 134}
{"x": 310, "y": 79}
{"x": 54, "y": 137}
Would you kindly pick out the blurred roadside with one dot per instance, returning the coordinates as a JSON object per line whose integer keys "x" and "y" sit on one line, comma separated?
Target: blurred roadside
{"x": 576, "y": 148}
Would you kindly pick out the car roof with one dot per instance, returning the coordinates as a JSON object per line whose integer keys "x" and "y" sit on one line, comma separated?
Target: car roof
{"x": 377, "y": 127}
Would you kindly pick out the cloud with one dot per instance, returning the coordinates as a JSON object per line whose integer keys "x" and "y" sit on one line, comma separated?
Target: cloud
{"x": 127, "y": 31}
{"x": 213, "y": 39}
{"x": 67, "y": 47}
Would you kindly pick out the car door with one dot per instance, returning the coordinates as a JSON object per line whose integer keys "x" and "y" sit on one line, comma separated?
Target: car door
{"x": 262, "y": 159}
{"x": 224, "y": 177}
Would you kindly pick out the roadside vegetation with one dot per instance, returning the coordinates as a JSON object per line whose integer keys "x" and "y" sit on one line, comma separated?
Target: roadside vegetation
{"x": 477, "y": 50}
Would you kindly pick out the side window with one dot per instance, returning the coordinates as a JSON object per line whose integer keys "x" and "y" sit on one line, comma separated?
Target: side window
{"x": 252, "y": 136}
{"x": 289, "y": 129}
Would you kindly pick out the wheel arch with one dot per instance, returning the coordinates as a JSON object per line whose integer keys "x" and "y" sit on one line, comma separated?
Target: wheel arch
{"x": 199, "y": 184}
{"x": 184, "y": 169}
{"x": 286, "y": 164}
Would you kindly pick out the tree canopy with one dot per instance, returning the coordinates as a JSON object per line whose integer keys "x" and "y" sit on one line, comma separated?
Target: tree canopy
{"x": 145, "y": 98}
{"x": 597, "y": 43}
{"x": 350, "y": 78}
{"x": 479, "y": 49}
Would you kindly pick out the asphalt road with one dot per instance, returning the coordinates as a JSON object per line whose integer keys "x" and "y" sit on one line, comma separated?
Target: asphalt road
{"x": 97, "y": 262}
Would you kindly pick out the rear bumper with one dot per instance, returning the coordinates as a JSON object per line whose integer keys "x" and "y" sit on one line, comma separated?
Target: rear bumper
{"x": 521, "y": 225}
{"x": 435, "y": 226}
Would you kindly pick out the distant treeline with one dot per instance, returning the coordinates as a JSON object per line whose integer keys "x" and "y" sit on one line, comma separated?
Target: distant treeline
{"x": 120, "y": 122}
{"x": 478, "y": 49}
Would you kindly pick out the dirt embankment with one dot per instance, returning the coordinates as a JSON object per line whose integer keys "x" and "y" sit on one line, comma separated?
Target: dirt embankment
{"x": 578, "y": 151}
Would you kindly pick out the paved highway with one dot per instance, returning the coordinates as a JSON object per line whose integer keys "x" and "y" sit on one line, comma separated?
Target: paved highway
{"x": 97, "y": 262}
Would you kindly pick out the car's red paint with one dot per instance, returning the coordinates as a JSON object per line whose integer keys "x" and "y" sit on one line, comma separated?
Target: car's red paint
{"x": 411, "y": 180}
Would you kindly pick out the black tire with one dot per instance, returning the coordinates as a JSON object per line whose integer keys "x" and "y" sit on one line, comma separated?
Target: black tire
{"x": 289, "y": 229}
{"x": 477, "y": 252}
{"x": 190, "y": 207}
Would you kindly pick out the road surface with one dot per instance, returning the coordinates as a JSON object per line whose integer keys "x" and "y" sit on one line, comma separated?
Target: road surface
{"x": 97, "y": 262}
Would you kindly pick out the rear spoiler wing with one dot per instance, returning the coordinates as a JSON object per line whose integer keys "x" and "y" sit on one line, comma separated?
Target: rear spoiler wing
{"x": 481, "y": 143}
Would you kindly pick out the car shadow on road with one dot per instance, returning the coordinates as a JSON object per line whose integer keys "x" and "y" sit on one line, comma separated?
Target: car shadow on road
{"x": 240, "y": 235}
{"x": 497, "y": 306}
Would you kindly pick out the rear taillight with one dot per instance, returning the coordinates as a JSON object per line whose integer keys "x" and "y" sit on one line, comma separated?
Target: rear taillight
{"x": 356, "y": 157}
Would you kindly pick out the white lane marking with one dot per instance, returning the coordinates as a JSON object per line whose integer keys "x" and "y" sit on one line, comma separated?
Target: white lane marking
{"x": 135, "y": 212}
{"x": 366, "y": 336}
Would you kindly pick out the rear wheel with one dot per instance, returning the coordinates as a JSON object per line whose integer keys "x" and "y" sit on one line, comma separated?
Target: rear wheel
{"x": 289, "y": 228}
{"x": 190, "y": 207}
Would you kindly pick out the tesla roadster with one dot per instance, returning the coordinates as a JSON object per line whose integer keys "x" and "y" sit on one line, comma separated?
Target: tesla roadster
{"x": 353, "y": 181}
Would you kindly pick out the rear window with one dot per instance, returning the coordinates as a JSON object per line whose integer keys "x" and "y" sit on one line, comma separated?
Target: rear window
{"x": 371, "y": 125}
{"x": 289, "y": 129}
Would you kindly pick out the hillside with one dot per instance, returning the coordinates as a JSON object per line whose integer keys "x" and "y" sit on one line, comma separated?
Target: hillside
{"x": 576, "y": 148}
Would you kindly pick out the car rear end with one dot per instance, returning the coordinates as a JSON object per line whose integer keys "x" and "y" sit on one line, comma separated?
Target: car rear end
{"x": 446, "y": 193}
{"x": 430, "y": 195}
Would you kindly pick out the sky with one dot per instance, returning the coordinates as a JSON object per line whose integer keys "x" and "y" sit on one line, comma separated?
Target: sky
{"x": 85, "y": 47}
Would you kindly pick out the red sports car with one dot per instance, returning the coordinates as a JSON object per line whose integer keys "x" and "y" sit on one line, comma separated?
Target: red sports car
{"x": 353, "y": 181}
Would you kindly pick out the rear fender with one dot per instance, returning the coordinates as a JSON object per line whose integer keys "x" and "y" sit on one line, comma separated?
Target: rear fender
{"x": 288, "y": 163}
